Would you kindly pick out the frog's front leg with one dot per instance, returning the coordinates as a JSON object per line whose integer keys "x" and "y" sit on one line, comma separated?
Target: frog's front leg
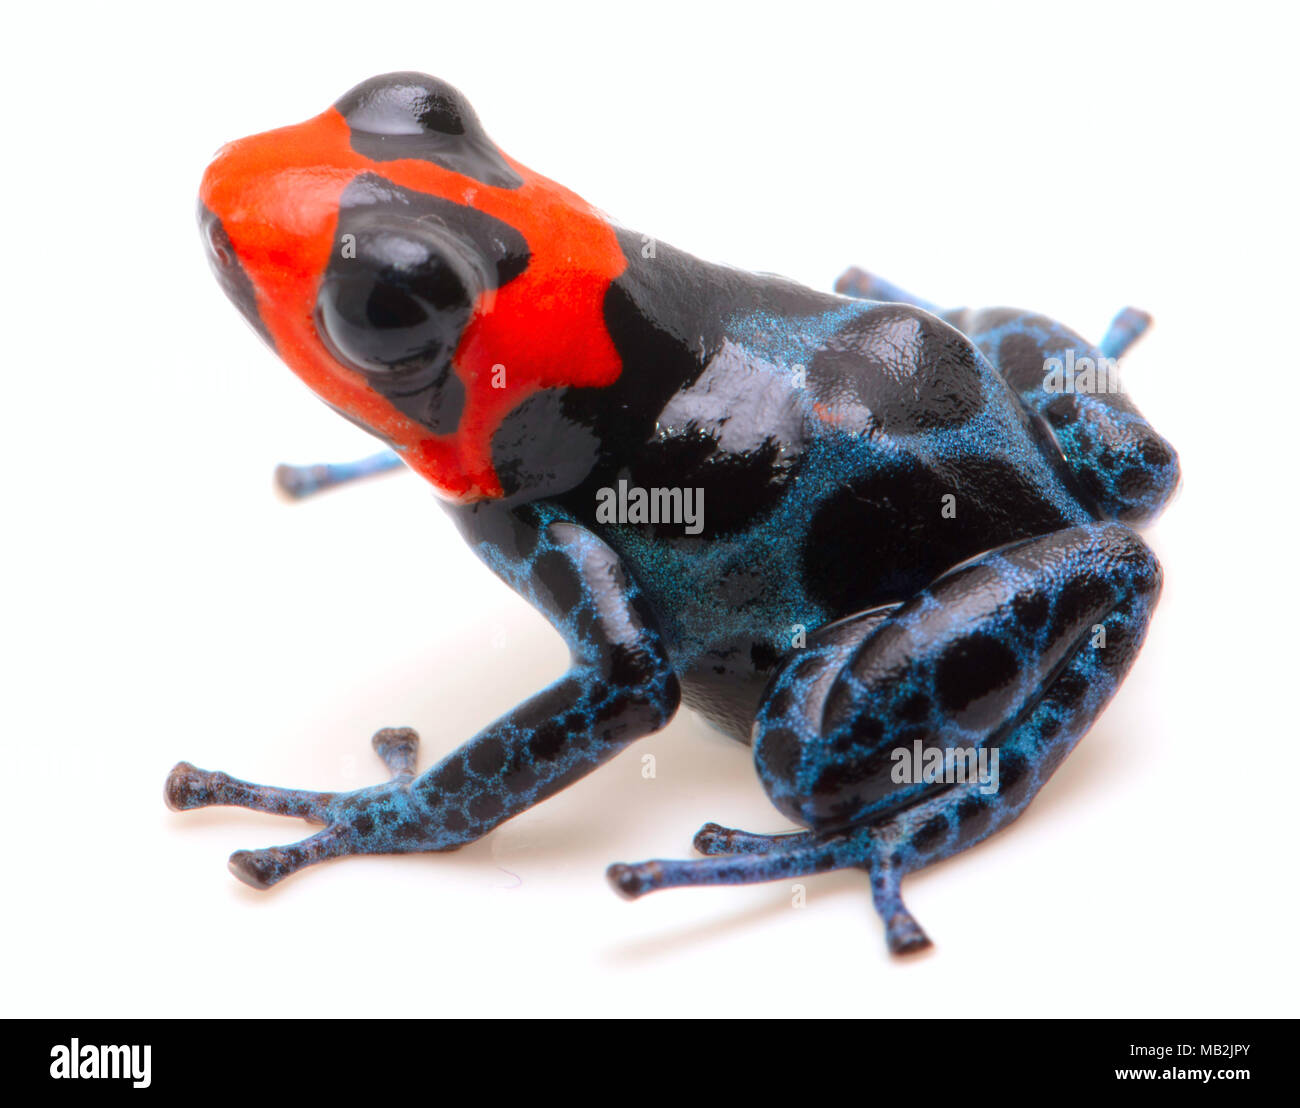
{"x": 300, "y": 481}
{"x": 1014, "y": 653}
{"x": 620, "y": 687}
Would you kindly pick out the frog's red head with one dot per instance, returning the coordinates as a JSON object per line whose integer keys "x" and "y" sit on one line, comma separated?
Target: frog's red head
{"x": 420, "y": 281}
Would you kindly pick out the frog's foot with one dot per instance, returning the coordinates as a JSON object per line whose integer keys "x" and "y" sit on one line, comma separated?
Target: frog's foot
{"x": 1125, "y": 329}
{"x": 297, "y": 482}
{"x": 741, "y": 858}
{"x": 383, "y": 819}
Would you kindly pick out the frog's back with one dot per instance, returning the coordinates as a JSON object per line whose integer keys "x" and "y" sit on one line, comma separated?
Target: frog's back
{"x": 844, "y": 454}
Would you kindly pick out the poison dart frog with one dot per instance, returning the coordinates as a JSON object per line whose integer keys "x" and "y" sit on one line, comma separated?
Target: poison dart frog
{"x": 845, "y": 528}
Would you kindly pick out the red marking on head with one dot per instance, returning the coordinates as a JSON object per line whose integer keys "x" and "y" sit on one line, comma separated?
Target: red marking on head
{"x": 277, "y": 195}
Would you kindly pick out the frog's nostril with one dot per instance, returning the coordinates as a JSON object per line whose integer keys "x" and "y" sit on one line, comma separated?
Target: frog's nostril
{"x": 215, "y": 240}
{"x": 219, "y": 253}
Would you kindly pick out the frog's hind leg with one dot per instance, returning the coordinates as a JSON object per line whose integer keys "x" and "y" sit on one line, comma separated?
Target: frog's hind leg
{"x": 1126, "y": 470}
{"x": 1119, "y": 464}
{"x": 998, "y": 668}
{"x": 774, "y": 857}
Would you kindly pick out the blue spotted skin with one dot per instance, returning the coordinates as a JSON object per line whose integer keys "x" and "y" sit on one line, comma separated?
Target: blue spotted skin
{"x": 905, "y": 538}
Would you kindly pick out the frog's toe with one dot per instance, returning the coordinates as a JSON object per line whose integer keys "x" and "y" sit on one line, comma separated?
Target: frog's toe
{"x": 713, "y": 838}
{"x": 632, "y": 881}
{"x": 381, "y": 819}
{"x": 904, "y": 935}
{"x": 261, "y": 869}
{"x": 186, "y": 788}
{"x": 189, "y": 787}
{"x": 398, "y": 748}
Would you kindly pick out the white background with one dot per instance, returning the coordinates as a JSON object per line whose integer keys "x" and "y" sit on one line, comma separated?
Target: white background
{"x": 160, "y": 603}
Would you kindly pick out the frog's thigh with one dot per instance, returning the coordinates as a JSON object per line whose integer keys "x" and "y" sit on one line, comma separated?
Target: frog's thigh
{"x": 959, "y": 666}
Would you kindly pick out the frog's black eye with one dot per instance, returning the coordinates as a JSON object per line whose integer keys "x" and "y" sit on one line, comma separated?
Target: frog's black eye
{"x": 413, "y": 115}
{"x": 394, "y": 304}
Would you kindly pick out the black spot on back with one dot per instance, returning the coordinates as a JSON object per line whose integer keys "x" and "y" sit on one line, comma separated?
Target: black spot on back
{"x": 911, "y": 370}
